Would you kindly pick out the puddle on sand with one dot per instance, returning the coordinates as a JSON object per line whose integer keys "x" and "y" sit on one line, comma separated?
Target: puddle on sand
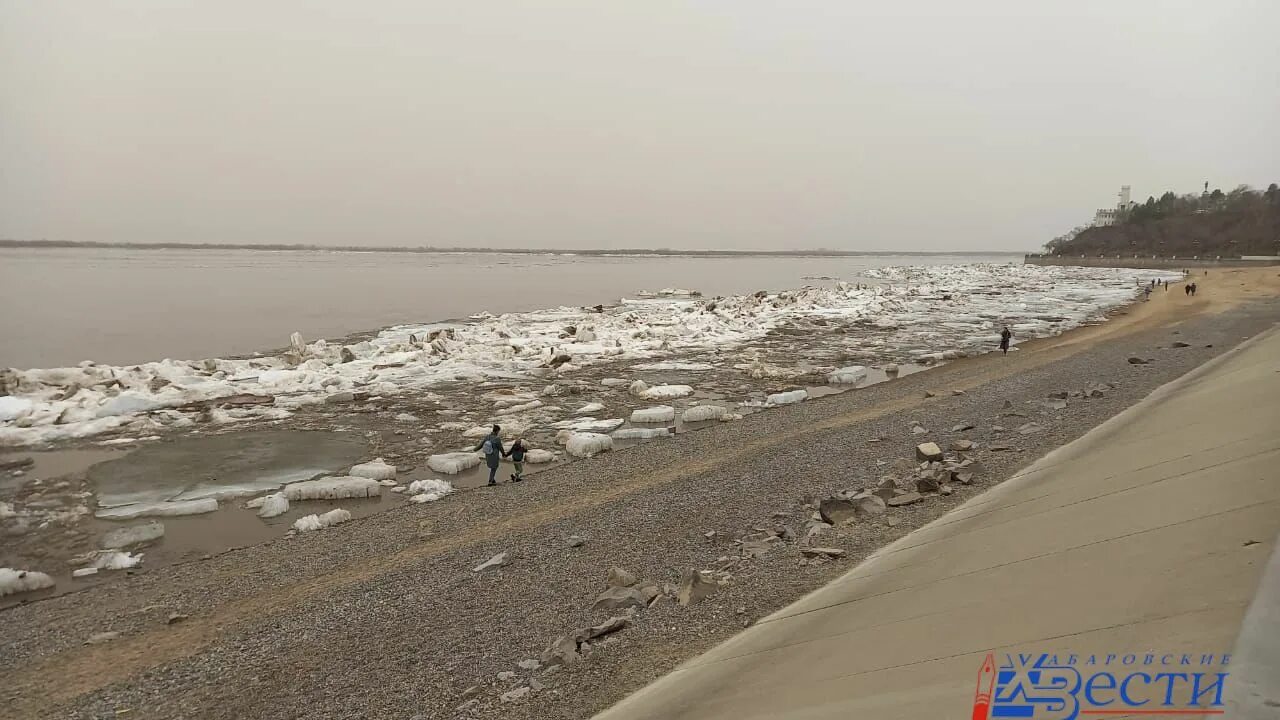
{"x": 241, "y": 464}
{"x": 54, "y": 464}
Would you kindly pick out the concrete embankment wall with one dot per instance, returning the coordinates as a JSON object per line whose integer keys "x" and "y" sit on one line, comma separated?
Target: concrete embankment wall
{"x": 1157, "y": 263}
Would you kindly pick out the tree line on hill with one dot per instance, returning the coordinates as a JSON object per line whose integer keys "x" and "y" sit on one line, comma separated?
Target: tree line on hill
{"x": 1243, "y": 221}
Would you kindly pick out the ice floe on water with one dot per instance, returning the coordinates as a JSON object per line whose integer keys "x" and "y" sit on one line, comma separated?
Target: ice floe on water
{"x": 310, "y": 523}
{"x": 914, "y": 314}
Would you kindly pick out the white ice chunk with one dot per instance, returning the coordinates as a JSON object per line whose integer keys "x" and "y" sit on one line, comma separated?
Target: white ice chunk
{"x": 850, "y": 375}
{"x": 332, "y": 488}
{"x": 667, "y": 392}
{"x": 116, "y": 560}
{"x": 159, "y": 509}
{"x": 660, "y": 413}
{"x": 129, "y": 403}
{"x": 586, "y": 445}
{"x": 12, "y": 408}
{"x": 700, "y": 413}
{"x": 273, "y": 505}
{"x": 589, "y": 408}
{"x": 429, "y": 490}
{"x": 84, "y": 572}
{"x": 641, "y": 433}
{"x": 538, "y": 457}
{"x": 376, "y": 470}
{"x": 320, "y": 522}
{"x": 17, "y": 581}
{"x": 787, "y": 398}
{"x": 589, "y": 424}
{"x": 613, "y": 382}
{"x": 453, "y": 463}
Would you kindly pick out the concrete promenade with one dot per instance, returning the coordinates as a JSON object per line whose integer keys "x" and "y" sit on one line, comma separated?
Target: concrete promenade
{"x": 1150, "y": 534}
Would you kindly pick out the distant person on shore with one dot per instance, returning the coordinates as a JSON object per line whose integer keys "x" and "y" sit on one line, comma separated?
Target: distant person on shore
{"x": 1005, "y": 337}
{"x": 516, "y": 453}
{"x": 1193, "y": 289}
{"x": 1186, "y": 289}
{"x": 493, "y": 452}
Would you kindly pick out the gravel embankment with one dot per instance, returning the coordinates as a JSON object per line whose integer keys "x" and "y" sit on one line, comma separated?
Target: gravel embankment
{"x": 384, "y": 618}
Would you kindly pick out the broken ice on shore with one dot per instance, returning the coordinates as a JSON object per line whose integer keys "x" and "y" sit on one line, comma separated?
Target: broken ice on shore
{"x": 310, "y": 523}
{"x": 13, "y": 581}
{"x": 917, "y": 314}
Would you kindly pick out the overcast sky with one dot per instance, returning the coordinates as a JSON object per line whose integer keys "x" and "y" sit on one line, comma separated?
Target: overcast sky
{"x": 972, "y": 124}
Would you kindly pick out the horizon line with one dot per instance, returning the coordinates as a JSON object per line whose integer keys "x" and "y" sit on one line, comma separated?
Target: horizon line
{"x": 427, "y": 249}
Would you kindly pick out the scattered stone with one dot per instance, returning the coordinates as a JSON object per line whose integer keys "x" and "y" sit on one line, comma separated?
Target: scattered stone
{"x": 998, "y": 447}
{"x": 518, "y": 694}
{"x": 1137, "y": 361}
{"x": 1180, "y": 344}
{"x": 893, "y": 522}
{"x": 997, "y": 428}
{"x": 904, "y": 499}
{"x": 608, "y": 627}
{"x": 822, "y": 552}
{"x": 928, "y": 393}
{"x": 1030, "y": 429}
{"x": 473, "y": 691}
{"x": 529, "y": 664}
{"x": 622, "y": 597}
{"x": 710, "y": 534}
{"x": 341, "y": 397}
{"x": 694, "y": 587}
{"x": 1059, "y": 395}
{"x": 925, "y": 484}
{"x": 1007, "y": 404}
{"x": 621, "y": 578}
{"x": 962, "y": 427}
{"x": 562, "y": 651}
{"x": 964, "y": 478}
{"x": 917, "y": 430}
{"x": 957, "y": 392}
{"x": 502, "y": 559}
{"x": 506, "y": 676}
{"x": 1057, "y": 405}
{"x": 574, "y": 541}
{"x": 963, "y": 445}
{"x": 928, "y": 451}
{"x": 102, "y": 637}
{"x": 536, "y": 686}
{"x": 175, "y": 618}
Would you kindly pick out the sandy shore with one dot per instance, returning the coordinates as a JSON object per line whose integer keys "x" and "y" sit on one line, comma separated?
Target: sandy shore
{"x": 384, "y": 617}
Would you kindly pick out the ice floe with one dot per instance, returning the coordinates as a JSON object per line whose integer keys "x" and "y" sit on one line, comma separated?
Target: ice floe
{"x": 375, "y": 470}
{"x": 922, "y": 314}
{"x": 633, "y": 433}
{"x": 585, "y": 445}
{"x": 658, "y": 414}
{"x": 850, "y": 375}
{"x": 13, "y": 581}
{"x": 699, "y": 413}
{"x": 787, "y": 398}
{"x": 332, "y": 488}
{"x": 169, "y": 508}
{"x": 309, "y": 523}
{"x": 273, "y": 505}
{"x": 453, "y": 463}
{"x": 430, "y": 490}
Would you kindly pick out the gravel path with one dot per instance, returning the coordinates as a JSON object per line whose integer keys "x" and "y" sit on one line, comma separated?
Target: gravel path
{"x": 384, "y": 618}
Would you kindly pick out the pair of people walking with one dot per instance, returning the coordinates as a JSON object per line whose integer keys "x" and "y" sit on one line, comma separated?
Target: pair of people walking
{"x": 494, "y": 452}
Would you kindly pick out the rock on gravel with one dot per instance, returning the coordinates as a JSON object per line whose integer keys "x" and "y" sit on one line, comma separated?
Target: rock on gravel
{"x": 621, "y": 578}
{"x": 928, "y": 451}
{"x": 694, "y": 587}
{"x": 904, "y": 499}
{"x": 502, "y": 559}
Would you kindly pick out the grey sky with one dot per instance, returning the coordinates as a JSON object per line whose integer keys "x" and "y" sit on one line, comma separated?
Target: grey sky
{"x": 981, "y": 124}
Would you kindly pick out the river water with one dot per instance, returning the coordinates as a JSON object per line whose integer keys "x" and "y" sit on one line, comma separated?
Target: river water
{"x": 122, "y": 306}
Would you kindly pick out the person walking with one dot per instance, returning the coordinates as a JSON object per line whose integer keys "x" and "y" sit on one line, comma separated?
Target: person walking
{"x": 516, "y": 453}
{"x": 1005, "y": 337}
{"x": 493, "y": 452}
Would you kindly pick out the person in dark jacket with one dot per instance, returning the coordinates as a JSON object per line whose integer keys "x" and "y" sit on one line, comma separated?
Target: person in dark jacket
{"x": 493, "y": 452}
{"x": 1005, "y": 337}
{"x": 516, "y": 453}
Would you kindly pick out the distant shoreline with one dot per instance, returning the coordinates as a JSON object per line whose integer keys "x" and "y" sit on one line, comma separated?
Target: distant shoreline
{"x": 638, "y": 252}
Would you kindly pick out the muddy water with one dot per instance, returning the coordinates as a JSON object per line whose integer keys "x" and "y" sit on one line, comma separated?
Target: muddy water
{"x": 128, "y": 306}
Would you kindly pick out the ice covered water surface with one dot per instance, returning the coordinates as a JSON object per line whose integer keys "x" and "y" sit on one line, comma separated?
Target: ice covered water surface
{"x": 921, "y": 314}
